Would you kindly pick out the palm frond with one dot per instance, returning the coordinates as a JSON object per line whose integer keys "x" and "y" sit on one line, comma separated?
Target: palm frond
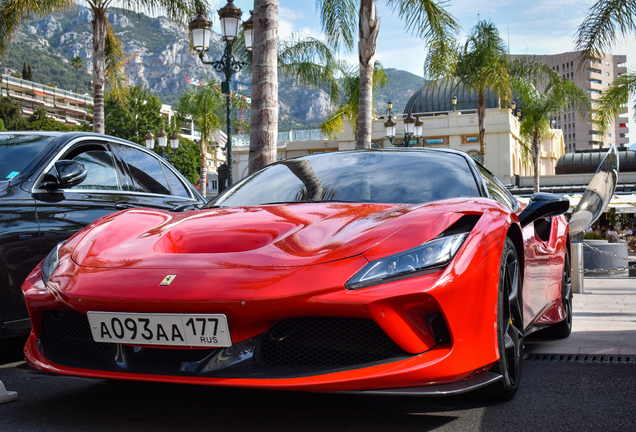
{"x": 310, "y": 63}
{"x": 181, "y": 11}
{"x": 116, "y": 60}
{"x": 614, "y": 99}
{"x": 14, "y": 12}
{"x": 427, "y": 19}
{"x": 339, "y": 20}
{"x": 605, "y": 20}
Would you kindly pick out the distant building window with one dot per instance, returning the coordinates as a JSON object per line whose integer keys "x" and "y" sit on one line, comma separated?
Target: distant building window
{"x": 214, "y": 185}
{"x": 607, "y": 84}
{"x": 572, "y": 63}
{"x": 606, "y": 63}
{"x": 557, "y": 68}
{"x": 609, "y": 134}
{"x": 607, "y": 73}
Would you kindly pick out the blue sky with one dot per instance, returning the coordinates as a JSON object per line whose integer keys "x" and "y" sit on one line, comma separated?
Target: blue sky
{"x": 536, "y": 27}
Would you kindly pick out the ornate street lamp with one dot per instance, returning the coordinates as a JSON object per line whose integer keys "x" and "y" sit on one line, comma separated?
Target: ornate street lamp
{"x": 162, "y": 140}
{"x": 454, "y": 103}
{"x": 174, "y": 141}
{"x": 409, "y": 127}
{"x": 230, "y": 17}
{"x": 513, "y": 105}
{"x": 419, "y": 126}
{"x": 150, "y": 140}
{"x": 389, "y": 127}
{"x": 248, "y": 31}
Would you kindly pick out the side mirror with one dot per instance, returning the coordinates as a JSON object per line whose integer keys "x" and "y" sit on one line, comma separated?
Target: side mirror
{"x": 543, "y": 205}
{"x": 69, "y": 173}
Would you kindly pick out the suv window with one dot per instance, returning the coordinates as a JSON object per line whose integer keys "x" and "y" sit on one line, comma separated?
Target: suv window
{"x": 146, "y": 171}
{"x": 100, "y": 166}
{"x": 176, "y": 187}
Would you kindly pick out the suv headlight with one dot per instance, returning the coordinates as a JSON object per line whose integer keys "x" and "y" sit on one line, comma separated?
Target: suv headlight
{"x": 432, "y": 254}
{"x": 51, "y": 262}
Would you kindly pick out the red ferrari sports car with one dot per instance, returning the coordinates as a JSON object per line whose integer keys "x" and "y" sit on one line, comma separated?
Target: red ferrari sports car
{"x": 406, "y": 271}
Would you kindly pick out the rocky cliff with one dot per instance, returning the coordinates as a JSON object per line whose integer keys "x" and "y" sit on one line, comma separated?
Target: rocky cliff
{"x": 160, "y": 60}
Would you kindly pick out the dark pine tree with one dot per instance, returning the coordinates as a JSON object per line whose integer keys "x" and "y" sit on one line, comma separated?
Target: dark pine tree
{"x": 29, "y": 73}
{"x": 25, "y": 74}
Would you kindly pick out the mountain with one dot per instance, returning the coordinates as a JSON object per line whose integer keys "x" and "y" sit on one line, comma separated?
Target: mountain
{"x": 160, "y": 60}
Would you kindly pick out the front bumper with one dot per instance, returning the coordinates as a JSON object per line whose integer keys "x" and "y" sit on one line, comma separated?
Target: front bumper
{"x": 464, "y": 294}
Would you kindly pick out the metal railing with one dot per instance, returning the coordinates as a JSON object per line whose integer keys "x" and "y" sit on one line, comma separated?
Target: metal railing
{"x": 46, "y": 89}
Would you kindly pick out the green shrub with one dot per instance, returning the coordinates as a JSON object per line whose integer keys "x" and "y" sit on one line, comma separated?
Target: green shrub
{"x": 592, "y": 236}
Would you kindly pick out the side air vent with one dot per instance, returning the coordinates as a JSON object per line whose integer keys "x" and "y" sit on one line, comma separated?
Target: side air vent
{"x": 542, "y": 228}
{"x": 463, "y": 225}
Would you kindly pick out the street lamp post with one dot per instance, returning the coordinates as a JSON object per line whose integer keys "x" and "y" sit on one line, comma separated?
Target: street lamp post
{"x": 162, "y": 141}
{"x": 229, "y": 16}
{"x": 454, "y": 103}
{"x": 412, "y": 126}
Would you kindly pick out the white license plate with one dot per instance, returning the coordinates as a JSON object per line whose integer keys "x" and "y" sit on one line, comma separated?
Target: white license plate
{"x": 205, "y": 330}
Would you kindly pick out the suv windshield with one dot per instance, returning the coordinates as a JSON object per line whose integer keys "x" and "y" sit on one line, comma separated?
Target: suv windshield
{"x": 371, "y": 176}
{"x": 17, "y": 151}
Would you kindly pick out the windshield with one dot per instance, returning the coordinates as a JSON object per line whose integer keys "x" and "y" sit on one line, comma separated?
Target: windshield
{"x": 17, "y": 151}
{"x": 371, "y": 176}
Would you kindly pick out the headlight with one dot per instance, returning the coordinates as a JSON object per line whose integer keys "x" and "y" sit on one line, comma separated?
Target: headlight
{"x": 50, "y": 262}
{"x": 432, "y": 254}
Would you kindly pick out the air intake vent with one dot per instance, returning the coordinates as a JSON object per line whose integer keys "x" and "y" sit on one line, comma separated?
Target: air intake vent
{"x": 325, "y": 341}
{"x": 67, "y": 333}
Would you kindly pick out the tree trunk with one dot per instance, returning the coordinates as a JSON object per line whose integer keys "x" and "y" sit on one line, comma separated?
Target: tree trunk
{"x": 264, "y": 109}
{"x": 99, "y": 68}
{"x": 481, "y": 119}
{"x": 203, "y": 171}
{"x": 369, "y": 27}
{"x": 536, "y": 156}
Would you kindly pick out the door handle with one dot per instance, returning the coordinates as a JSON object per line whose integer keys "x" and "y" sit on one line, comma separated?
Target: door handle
{"x": 123, "y": 206}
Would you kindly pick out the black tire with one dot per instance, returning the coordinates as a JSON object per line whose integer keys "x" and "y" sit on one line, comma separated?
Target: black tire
{"x": 509, "y": 327}
{"x": 563, "y": 329}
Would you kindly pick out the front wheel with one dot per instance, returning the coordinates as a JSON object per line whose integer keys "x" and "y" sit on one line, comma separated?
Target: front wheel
{"x": 509, "y": 326}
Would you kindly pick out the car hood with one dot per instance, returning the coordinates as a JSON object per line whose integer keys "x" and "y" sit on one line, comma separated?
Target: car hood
{"x": 272, "y": 236}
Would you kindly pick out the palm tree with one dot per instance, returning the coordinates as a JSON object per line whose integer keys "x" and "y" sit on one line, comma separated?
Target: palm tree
{"x": 539, "y": 107}
{"x": 480, "y": 64}
{"x": 108, "y": 53}
{"x": 308, "y": 62}
{"x": 264, "y": 112}
{"x": 204, "y": 105}
{"x": 78, "y": 64}
{"x": 605, "y": 21}
{"x": 350, "y": 88}
{"x": 340, "y": 20}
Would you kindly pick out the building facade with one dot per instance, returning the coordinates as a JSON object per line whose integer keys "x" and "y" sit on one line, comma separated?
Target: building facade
{"x": 579, "y": 130}
{"x": 450, "y": 129}
{"x": 64, "y": 106}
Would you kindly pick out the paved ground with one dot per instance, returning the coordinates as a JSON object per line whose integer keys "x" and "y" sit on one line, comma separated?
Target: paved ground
{"x": 604, "y": 321}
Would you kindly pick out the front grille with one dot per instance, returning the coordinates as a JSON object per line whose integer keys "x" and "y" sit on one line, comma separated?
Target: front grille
{"x": 67, "y": 333}
{"x": 325, "y": 341}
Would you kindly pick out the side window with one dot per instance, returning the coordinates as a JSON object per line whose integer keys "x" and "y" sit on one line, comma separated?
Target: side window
{"x": 146, "y": 171}
{"x": 102, "y": 174}
{"x": 496, "y": 190}
{"x": 177, "y": 188}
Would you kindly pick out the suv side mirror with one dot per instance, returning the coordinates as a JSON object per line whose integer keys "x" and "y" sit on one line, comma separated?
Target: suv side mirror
{"x": 69, "y": 173}
{"x": 543, "y": 205}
